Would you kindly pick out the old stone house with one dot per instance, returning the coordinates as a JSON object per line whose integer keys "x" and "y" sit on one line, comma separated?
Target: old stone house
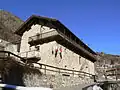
{"x": 47, "y": 41}
{"x": 46, "y": 53}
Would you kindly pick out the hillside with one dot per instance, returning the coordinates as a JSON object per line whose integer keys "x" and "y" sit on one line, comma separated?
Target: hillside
{"x": 9, "y": 20}
{"x": 8, "y": 24}
{"x": 106, "y": 62}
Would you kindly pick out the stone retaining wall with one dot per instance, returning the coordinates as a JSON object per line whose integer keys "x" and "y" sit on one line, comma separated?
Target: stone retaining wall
{"x": 54, "y": 81}
{"x": 16, "y": 74}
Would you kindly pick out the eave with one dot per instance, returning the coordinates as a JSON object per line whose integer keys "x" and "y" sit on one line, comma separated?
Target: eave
{"x": 64, "y": 37}
{"x": 63, "y": 40}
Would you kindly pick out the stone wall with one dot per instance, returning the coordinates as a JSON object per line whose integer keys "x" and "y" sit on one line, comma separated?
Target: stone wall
{"x": 47, "y": 52}
{"x": 54, "y": 81}
{"x": 35, "y": 29}
{"x": 7, "y": 46}
{"x": 15, "y": 73}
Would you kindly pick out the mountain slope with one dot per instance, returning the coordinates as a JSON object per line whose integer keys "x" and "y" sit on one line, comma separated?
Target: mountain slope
{"x": 9, "y": 20}
{"x": 9, "y": 23}
{"x": 106, "y": 62}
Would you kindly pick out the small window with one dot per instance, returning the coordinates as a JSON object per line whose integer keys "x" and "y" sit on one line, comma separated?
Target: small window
{"x": 65, "y": 75}
{"x": 37, "y": 48}
{"x": 18, "y": 47}
{"x": 79, "y": 60}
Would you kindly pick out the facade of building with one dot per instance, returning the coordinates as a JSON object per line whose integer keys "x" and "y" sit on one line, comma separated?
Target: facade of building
{"x": 48, "y": 41}
{"x": 61, "y": 58}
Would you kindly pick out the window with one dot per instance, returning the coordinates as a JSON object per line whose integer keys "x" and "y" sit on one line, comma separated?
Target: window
{"x": 18, "y": 47}
{"x": 79, "y": 59}
{"x": 37, "y": 48}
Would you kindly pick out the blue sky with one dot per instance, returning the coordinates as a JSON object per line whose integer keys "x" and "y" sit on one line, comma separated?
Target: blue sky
{"x": 96, "y": 22}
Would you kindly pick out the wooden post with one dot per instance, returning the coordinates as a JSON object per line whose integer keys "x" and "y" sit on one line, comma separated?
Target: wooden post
{"x": 116, "y": 73}
{"x": 59, "y": 71}
{"x": 8, "y": 54}
{"x": 73, "y": 72}
{"x": 26, "y": 54}
{"x": 45, "y": 70}
{"x": 94, "y": 78}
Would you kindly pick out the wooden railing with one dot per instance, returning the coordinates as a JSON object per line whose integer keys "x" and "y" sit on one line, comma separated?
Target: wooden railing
{"x": 113, "y": 71}
{"x": 26, "y": 54}
{"x": 78, "y": 46}
{"x": 42, "y": 35}
{"x": 8, "y": 53}
{"x": 50, "y": 68}
{"x": 67, "y": 72}
{"x": 70, "y": 40}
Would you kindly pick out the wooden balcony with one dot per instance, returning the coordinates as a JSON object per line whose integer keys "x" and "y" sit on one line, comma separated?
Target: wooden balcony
{"x": 42, "y": 38}
{"x": 62, "y": 39}
{"x": 73, "y": 46}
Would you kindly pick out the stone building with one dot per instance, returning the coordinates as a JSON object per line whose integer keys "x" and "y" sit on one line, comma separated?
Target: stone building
{"x": 47, "y": 41}
{"x": 44, "y": 53}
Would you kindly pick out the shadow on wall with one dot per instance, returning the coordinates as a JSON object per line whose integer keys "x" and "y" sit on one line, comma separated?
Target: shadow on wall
{"x": 13, "y": 72}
